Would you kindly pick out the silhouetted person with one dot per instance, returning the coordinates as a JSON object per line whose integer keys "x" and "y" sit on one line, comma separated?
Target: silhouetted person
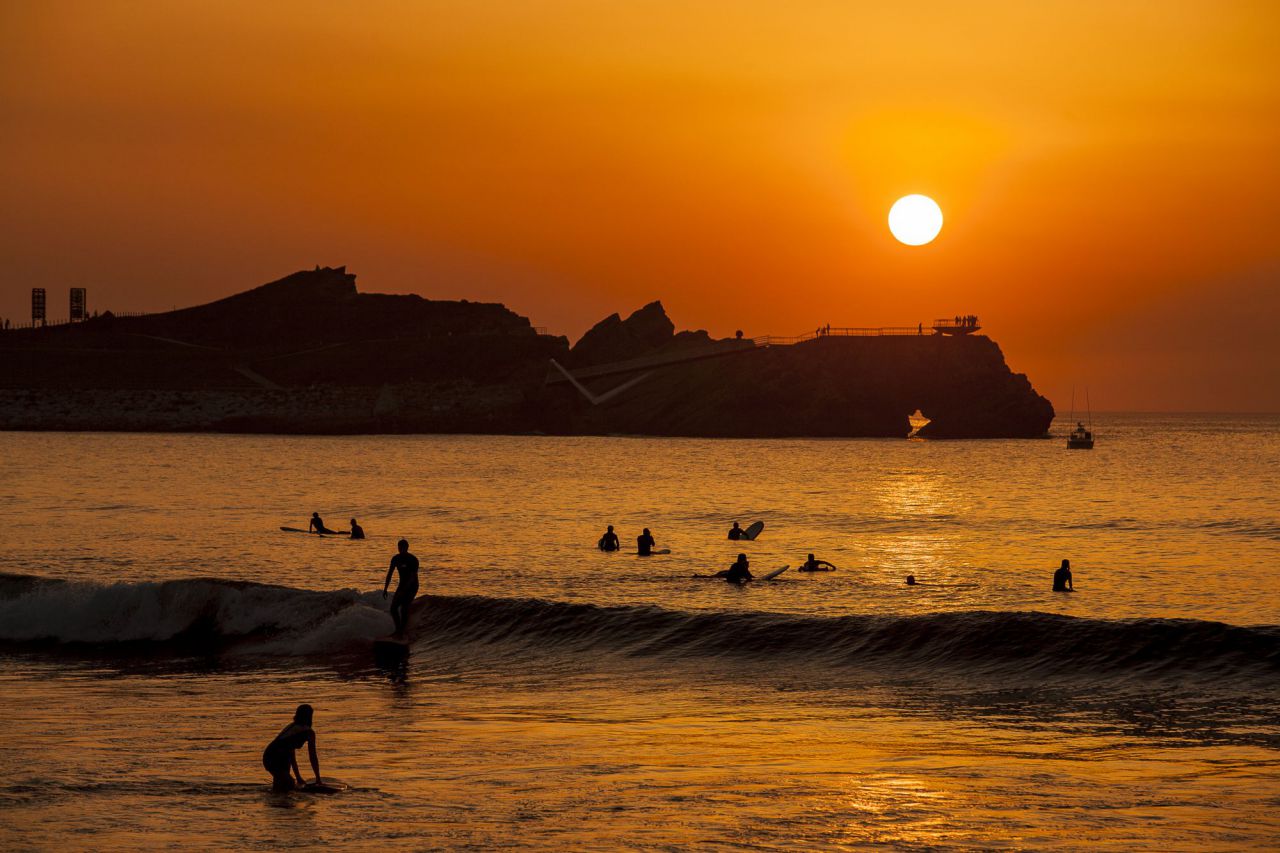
{"x": 644, "y": 544}
{"x": 739, "y": 572}
{"x": 736, "y": 532}
{"x": 317, "y": 524}
{"x": 406, "y": 588}
{"x": 1062, "y": 578}
{"x": 815, "y": 565}
{"x": 609, "y": 541}
{"x": 357, "y": 532}
{"x": 280, "y": 756}
{"x": 911, "y": 580}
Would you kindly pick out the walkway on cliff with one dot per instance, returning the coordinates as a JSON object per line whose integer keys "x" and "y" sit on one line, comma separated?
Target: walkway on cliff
{"x": 948, "y": 326}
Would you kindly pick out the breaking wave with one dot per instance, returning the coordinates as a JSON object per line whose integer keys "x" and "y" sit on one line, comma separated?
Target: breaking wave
{"x": 276, "y": 620}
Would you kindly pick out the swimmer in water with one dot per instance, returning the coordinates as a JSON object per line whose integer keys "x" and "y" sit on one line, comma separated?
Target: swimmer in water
{"x": 357, "y": 532}
{"x": 609, "y": 541}
{"x": 280, "y": 756}
{"x": 815, "y": 565}
{"x": 1062, "y": 578}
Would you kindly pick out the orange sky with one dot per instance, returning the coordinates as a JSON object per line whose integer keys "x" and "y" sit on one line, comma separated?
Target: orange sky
{"x": 1109, "y": 172}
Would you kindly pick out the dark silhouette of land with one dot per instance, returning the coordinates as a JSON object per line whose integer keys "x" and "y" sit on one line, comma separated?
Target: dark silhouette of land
{"x": 310, "y": 354}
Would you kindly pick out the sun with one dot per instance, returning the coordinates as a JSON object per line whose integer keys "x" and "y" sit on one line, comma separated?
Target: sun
{"x": 915, "y": 219}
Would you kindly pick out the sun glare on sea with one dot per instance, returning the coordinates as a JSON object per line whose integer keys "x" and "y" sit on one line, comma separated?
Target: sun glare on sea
{"x": 915, "y": 219}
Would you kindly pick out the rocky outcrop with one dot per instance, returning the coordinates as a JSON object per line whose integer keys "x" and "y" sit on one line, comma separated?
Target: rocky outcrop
{"x": 615, "y": 339}
{"x": 832, "y": 386}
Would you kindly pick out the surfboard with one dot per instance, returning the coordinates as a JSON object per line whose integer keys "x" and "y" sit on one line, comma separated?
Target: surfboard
{"x": 658, "y": 553}
{"x": 308, "y": 532}
{"x": 753, "y": 530}
{"x": 328, "y": 786}
{"x": 773, "y": 574}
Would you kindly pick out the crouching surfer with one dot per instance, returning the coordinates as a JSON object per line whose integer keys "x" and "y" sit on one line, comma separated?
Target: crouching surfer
{"x": 406, "y": 588}
{"x": 739, "y": 572}
{"x": 280, "y": 756}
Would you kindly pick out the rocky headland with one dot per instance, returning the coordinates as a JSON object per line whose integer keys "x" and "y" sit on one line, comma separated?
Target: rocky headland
{"x": 310, "y": 354}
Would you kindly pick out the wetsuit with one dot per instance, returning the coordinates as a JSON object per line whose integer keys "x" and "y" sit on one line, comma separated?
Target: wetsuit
{"x": 278, "y": 756}
{"x": 407, "y": 565}
{"x": 317, "y": 524}
{"x": 609, "y": 542}
{"x": 736, "y": 533}
{"x": 1062, "y": 580}
{"x": 816, "y": 566}
{"x": 644, "y": 544}
{"x": 357, "y": 532}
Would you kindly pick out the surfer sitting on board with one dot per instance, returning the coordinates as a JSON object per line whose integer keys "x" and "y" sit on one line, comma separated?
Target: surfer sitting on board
{"x": 739, "y": 572}
{"x": 814, "y": 565}
{"x": 644, "y": 544}
{"x": 317, "y": 524}
{"x": 736, "y": 532}
{"x": 357, "y": 532}
{"x": 1062, "y": 578}
{"x": 609, "y": 541}
{"x": 407, "y": 587}
{"x": 280, "y": 756}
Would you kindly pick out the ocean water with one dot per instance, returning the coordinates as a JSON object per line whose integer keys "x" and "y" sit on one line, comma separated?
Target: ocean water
{"x": 157, "y": 628}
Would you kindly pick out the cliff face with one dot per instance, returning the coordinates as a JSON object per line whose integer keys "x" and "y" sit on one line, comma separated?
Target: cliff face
{"x": 309, "y": 353}
{"x": 832, "y": 386}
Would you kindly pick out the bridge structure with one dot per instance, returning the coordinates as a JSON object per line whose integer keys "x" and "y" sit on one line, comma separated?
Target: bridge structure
{"x": 646, "y": 365}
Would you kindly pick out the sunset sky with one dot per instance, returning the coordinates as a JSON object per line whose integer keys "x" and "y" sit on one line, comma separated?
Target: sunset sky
{"x": 1109, "y": 172}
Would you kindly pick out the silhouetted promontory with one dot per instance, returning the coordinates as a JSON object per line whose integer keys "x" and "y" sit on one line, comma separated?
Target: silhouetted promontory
{"x": 310, "y": 354}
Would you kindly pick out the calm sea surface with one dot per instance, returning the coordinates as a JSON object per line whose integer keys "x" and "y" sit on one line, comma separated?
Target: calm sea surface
{"x": 157, "y": 628}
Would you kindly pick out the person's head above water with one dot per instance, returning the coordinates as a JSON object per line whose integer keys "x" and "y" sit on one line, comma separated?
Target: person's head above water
{"x": 810, "y": 558}
{"x": 315, "y": 515}
{"x": 403, "y": 545}
{"x": 911, "y": 580}
{"x": 1066, "y": 564}
{"x": 735, "y": 525}
{"x": 353, "y": 521}
{"x": 742, "y": 558}
{"x": 303, "y": 715}
{"x": 610, "y": 528}
{"x": 646, "y": 531}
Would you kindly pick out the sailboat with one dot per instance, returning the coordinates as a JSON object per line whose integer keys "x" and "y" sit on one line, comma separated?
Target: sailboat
{"x": 1080, "y": 438}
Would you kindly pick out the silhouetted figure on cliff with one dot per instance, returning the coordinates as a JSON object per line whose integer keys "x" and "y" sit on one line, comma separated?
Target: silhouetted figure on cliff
{"x": 644, "y": 543}
{"x": 407, "y": 587}
{"x": 317, "y": 524}
{"x": 609, "y": 541}
{"x": 1062, "y": 578}
{"x": 357, "y": 532}
{"x": 815, "y": 565}
{"x": 280, "y": 756}
{"x": 736, "y": 532}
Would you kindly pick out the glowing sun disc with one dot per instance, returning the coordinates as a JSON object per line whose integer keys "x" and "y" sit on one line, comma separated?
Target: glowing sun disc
{"x": 915, "y": 219}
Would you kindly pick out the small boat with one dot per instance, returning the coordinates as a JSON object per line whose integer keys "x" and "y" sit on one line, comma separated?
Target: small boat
{"x": 1080, "y": 438}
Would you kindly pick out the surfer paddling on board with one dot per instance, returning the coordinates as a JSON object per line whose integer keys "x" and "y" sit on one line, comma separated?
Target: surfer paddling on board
{"x": 357, "y": 532}
{"x": 644, "y": 544}
{"x": 736, "y": 532}
{"x": 407, "y": 587}
{"x": 317, "y": 525}
{"x": 1062, "y": 578}
{"x": 609, "y": 541}
{"x": 280, "y": 756}
{"x": 815, "y": 565}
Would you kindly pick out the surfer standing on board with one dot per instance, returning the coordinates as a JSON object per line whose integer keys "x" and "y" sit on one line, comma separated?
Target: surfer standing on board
{"x": 407, "y": 587}
{"x": 1062, "y": 578}
{"x": 280, "y": 756}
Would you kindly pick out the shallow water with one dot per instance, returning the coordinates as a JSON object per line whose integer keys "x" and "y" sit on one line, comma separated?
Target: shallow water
{"x": 560, "y": 697}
